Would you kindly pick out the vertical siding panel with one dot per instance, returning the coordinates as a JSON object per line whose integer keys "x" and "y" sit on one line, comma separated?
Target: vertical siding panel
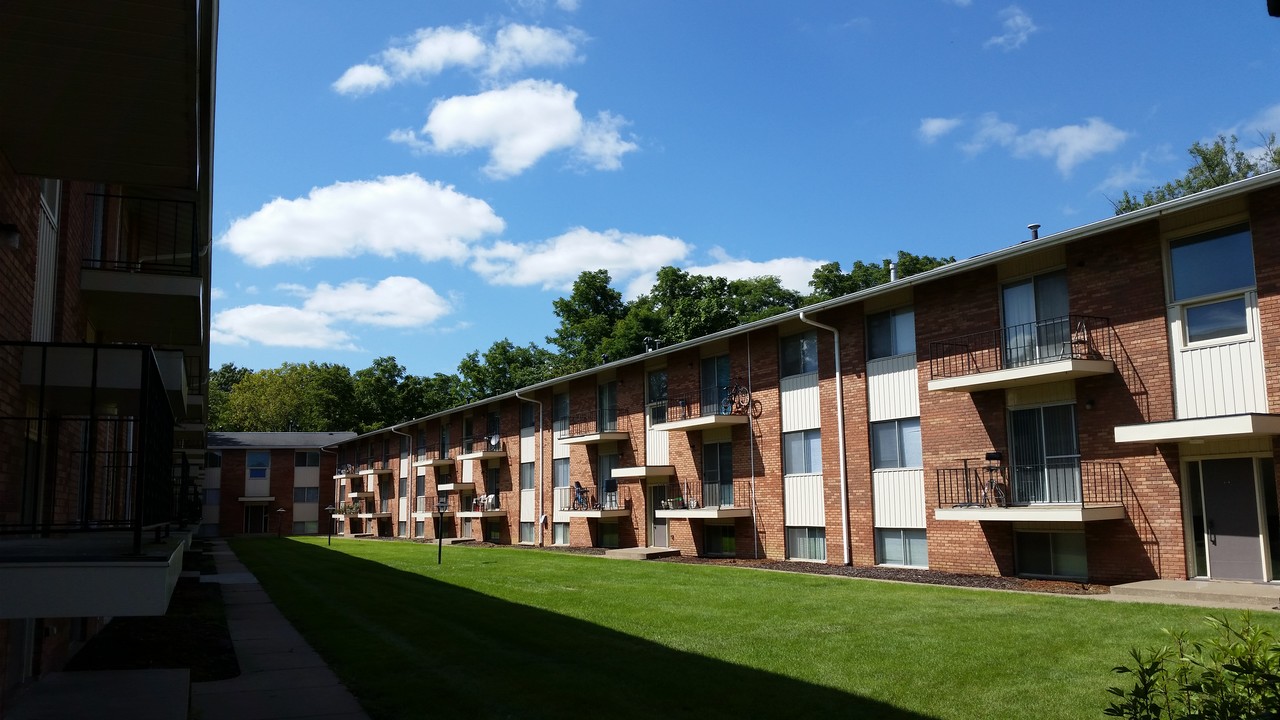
{"x": 804, "y": 501}
{"x": 801, "y": 407}
{"x": 528, "y": 506}
{"x": 1224, "y": 379}
{"x": 560, "y": 497}
{"x": 899, "y": 498}
{"x": 559, "y": 449}
{"x": 893, "y": 389}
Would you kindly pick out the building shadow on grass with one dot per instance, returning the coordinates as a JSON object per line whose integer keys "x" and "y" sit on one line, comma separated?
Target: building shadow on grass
{"x": 410, "y": 646}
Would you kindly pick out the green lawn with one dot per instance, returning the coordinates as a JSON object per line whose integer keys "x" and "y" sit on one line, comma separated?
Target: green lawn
{"x": 518, "y": 633}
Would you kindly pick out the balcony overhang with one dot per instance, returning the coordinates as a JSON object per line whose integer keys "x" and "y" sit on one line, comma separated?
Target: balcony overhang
{"x": 345, "y": 476}
{"x": 90, "y": 575}
{"x": 431, "y": 514}
{"x": 360, "y": 494}
{"x": 613, "y": 513}
{"x": 434, "y": 462}
{"x": 640, "y": 472}
{"x": 139, "y": 307}
{"x": 455, "y": 486}
{"x": 702, "y": 422}
{"x": 486, "y": 454}
{"x": 374, "y": 471}
{"x": 1069, "y": 369}
{"x": 482, "y": 513}
{"x": 1047, "y": 513}
{"x": 373, "y": 516}
{"x": 705, "y": 513}
{"x": 257, "y": 499}
{"x": 595, "y": 438}
{"x": 1200, "y": 429}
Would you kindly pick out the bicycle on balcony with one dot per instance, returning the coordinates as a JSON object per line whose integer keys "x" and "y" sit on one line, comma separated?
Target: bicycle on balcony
{"x": 737, "y": 401}
{"x": 992, "y": 491}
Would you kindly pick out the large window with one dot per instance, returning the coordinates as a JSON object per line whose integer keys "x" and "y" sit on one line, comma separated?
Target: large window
{"x": 1051, "y": 554}
{"x": 807, "y": 543}
{"x": 1037, "y": 328}
{"x": 891, "y": 333}
{"x": 306, "y": 494}
{"x": 715, "y": 383}
{"x": 802, "y": 452}
{"x": 607, "y": 483}
{"x": 902, "y": 546}
{"x": 258, "y": 461}
{"x": 526, "y": 532}
{"x": 719, "y": 541}
{"x": 526, "y": 476}
{"x": 657, "y": 395}
{"x": 560, "y": 472}
{"x": 306, "y": 527}
{"x": 1209, "y": 275}
{"x": 717, "y": 474}
{"x": 306, "y": 459}
{"x": 560, "y": 533}
{"x": 528, "y": 415}
{"x": 800, "y": 354}
{"x": 896, "y": 444}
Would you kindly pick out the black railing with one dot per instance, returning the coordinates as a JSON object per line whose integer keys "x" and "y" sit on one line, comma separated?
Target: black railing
{"x": 431, "y": 452}
{"x": 606, "y": 420}
{"x": 139, "y": 234}
{"x": 693, "y": 496}
{"x": 376, "y": 462}
{"x": 488, "y": 502}
{"x": 430, "y": 504}
{"x": 481, "y": 443}
{"x": 587, "y": 497}
{"x": 1073, "y": 337}
{"x": 97, "y": 454}
{"x": 1066, "y": 481}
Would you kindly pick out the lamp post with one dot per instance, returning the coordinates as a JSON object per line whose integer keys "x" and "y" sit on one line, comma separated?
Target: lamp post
{"x": 442, "y": 502}
{"x": 330, "y": 510}
{"x": 280, "y": 522}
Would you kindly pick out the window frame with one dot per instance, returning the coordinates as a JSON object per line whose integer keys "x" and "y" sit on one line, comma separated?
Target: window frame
{"x": 812, "y": 462}
{"x": 895, "y": 346}
{"x": 1180, "y": 303}
{"x": 900, "y": 461}
{"x": 802, "y": 363}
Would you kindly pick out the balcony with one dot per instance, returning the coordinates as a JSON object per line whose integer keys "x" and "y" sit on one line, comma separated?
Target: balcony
{"x": 373, "y": 466}
{"x": 433, "y": 456}
{"x": 482, "y": 448}
{"x": 346, "y": 472}
{"x": 712, "y": 409}
{"x": 490, "y": 505}
{"x": 144, "y": 283}
{"x": 708, "y": 501}
{"x": 604, "y": 426}
{"x": 1060, "y": 491}
{"x": 1064, "y": 348}
{"x": 370, "y": 511}
{"x": 585, "y": 501}
{"x": 426, "y": 508}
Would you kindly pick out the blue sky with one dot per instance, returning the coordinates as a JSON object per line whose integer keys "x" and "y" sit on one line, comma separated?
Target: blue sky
{"x": 420, "y": 179}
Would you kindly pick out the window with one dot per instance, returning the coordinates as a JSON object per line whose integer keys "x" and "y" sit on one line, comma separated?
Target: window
{"x": 718, "y": 541}
{"x": 902, "y": 546}
{"x": 891, "y": 333}
{"x": 606, "y": 482}
{"x": 526, "y": 532}
{"x": 1051, "y": 554}
{"x": 213, "y": 460}
{"x": 404, "y": 446}
{"x": 607, "y": 407}
{"x": 420, "y": 486}
{"x": 404, "y": 488}
{"x": 802, "y": 452}
{"x": 258, "y": 462}
{"x": 402, "y": 528}
{"x": 212, "y": 496}
{"x": 609, "y": 534}
{"x": 896, "y": 444}
{"x": 1046, "y": 456}
{"x": 419, "y": 528}
{"x": 306, "y": 527}
{"x": 717, "y": 474}
{"x": 800, "y": 353}
{"x": 1213, "y": 264}
{"x": 560, "y": 406}
{"x": 807, "y": 543}
{"x": 656, "y": 391}
{"x": 715, "y": 383}
{"x": 444, "y": 441}
{"x": 560, "y": 472}
{"x": 528, "y": 415}
{"x": 306, "y": 459}
{"x": 526, "y": 476}
{"x": 1037, "y": 328}
{"x": 306, "y": 494}
{"x": 560, "y": 533}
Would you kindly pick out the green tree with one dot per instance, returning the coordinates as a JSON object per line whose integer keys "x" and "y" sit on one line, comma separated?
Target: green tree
{"x": 1215, "y": 164}
{"x": 377, "y": 394}
{"x": 307, "y": 397}
{"x": 421, "y": 396}
{"x": 830, "y": 282}
{"x": 221, "y": 381}
{"x": 756, "y": 298}
{"x": 504, "y": 367}
{"x": 587, "y": 320}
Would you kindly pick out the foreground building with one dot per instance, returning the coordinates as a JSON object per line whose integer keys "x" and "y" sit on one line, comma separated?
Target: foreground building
{"x": 106, "y": 150}
{"x": 1092, "y": 405}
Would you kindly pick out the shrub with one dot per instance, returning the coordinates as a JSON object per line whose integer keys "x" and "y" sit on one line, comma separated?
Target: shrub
{"x": 1233, "y": 675}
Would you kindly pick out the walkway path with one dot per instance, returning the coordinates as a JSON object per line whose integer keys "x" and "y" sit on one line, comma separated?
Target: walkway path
{"x": 281, "y": 676}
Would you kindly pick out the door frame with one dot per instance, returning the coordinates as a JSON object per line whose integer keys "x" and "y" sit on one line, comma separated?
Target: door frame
{"x": 651, "y": 515}
{"x": 1189, "y": 518}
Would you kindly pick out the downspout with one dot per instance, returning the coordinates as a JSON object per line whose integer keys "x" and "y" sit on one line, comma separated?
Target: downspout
{"x": 540, "y": 490}
{"x": 405, "y": 479}
{"x": 337, "y": 503}
{"x": 844, "y": 474}
{"x": 751, "y": 440}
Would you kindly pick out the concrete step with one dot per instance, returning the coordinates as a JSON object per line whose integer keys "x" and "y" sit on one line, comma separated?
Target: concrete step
{"x": 456, "y": 541}
{"x": 641, "y": 553}
{"x": 1208, "y": 593}
{"x": 106, "y": 694}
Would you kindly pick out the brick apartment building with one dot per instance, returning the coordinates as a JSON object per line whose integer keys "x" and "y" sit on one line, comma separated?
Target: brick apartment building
{"x": 1091, "y": 405}
{"x": 269, "y": 483}
{"x": 106, "y": 149}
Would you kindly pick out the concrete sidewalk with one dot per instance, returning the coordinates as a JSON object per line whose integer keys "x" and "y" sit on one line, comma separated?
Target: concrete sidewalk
{"x": 281, "y": 676}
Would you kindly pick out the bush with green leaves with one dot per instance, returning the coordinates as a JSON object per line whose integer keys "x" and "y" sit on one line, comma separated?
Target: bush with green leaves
{"x": 1232, "y": 675}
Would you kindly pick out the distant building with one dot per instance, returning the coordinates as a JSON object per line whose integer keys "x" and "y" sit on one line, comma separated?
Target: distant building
{"x": 269, "y": 483}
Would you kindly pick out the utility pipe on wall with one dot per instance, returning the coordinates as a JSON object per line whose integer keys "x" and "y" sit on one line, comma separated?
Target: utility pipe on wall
{"x": 844, "y": 473}
{"x": 539, "y": 466}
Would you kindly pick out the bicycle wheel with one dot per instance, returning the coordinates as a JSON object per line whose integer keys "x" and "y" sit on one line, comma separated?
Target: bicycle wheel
{"x": 726, "y": 405}
{"x": 998, "y": 495}
{"x": 755, "y": 408}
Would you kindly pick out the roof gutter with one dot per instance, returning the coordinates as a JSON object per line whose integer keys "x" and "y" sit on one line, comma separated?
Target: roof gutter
{"x": 844, "y": 473}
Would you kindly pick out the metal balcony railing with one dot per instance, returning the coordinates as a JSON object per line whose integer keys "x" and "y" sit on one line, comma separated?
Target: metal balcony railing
{"x": 432, "y": 503}
{"x": 605, "y": 420}
{"x": 588, "y": 497}
{"x": 95, "y": 451}
{"x": 488, "y": 502}
{"x": 1073, "y": 337}
{"x": 376, "y": 462}
{"x": 431, "y": 452}
{"x": 695, "y": 495}
{"x": 140, "y": 234}
{"x": 482, "y": 443}
{"x": 1066, "y": 481}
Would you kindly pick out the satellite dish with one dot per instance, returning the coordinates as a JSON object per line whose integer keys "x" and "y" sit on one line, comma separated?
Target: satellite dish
{"x": 494, "y": 441}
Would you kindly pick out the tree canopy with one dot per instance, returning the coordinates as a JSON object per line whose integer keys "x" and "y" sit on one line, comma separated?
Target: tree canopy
{"x": 1218, "y": 163}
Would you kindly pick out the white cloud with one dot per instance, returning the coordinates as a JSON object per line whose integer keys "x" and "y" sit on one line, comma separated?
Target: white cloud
{"x": 400, "y": 302}
{"x": 933, "y": 128}
{"x": 431, "y": 51}
{"x": 217, "y": 293}
{"x": 1137, "y": 175}
{"x": 1018, "y": 27}
{"x": 556, "y": 263}
{"x": 1068, "y": 145}
{"x": 793, "y": 272}
{"x": 361, "y": 79}
{"x": 518, "y": 125}
{"x": 387, "y": 216}
{"x": 568, "y": 5}
{"x": 279, "y": 326}
{"x": 959, "y": 3}
{"x": 516, "y": 47}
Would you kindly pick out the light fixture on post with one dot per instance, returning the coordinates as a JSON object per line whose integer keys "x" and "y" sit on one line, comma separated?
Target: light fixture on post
{"x": 441, "y": 503}
{"x": 330, "y": 510}
{"x": 280, "y": 522}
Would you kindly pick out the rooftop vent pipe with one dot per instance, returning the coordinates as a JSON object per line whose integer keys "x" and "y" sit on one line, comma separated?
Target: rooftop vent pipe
{"x": 893, "y": 271}
{"x": 1035, "y": 230}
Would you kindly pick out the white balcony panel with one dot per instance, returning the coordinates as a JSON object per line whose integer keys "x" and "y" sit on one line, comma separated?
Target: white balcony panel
{"x": 306, "y": 512}
{"x": 1222, "y": 379}
{"x": 404, "y": 465}
{"x": 528, "y": 444}
{"x": 801, "y": 408}
{"x": 468, "y": 471}
{"x": 893, "y": 388}
{"x": 257, "y": 487}
{"x": 559, "y": 449}
{"x": 561, "y": 497}
{"x": 804, "y": 501}
{"x": 306, "y": 477}
{"x": 528, "y": 506}
{"x": 898, "y": 496}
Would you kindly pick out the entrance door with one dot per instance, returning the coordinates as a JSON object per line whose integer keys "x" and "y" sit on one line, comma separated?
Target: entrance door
{"x": 255, "y": 518}
{"x": 1231, "y": 519}
{"x": 658, "y": 536}
{"x": 1046, "y": 457}
{"x": 1036, "y": 327}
